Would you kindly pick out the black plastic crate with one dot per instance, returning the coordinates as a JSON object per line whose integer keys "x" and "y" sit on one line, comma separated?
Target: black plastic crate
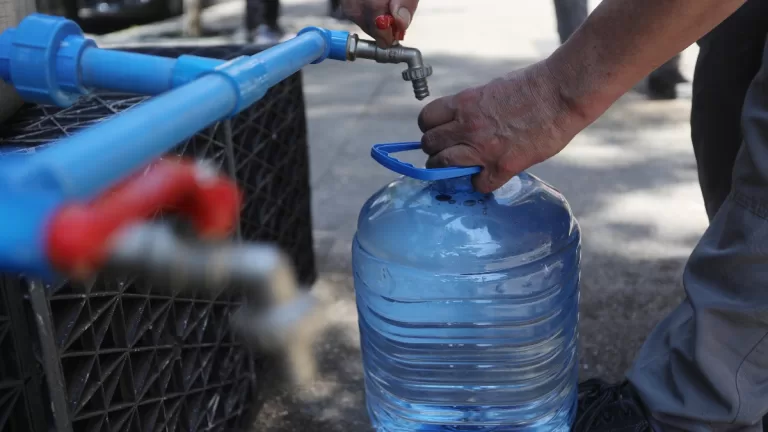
{"x": 129, "y": 356}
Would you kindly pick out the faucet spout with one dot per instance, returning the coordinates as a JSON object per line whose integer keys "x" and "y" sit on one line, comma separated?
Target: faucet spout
{"x": 417, "y": 72}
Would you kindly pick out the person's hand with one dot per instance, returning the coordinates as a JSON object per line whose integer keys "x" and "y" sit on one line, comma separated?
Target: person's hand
{"x": 364, "y": 13}
{"x": 505, "y": 126}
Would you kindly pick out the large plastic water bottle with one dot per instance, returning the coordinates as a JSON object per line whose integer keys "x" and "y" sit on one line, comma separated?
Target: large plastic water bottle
{"x": 468, "y": 302}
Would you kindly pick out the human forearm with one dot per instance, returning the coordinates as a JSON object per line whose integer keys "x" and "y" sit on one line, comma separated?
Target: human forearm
{"x": 624, "y": 40}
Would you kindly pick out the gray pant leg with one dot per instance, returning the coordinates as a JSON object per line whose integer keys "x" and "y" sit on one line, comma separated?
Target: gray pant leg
{"x": 705, "y": 367}
{"x": 570, "y": 15}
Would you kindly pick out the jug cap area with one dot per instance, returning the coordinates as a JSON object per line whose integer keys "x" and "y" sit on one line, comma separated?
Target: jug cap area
{"x": 381, "y": 153}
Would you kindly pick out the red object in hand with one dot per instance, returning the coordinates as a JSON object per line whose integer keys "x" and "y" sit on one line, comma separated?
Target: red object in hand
{"x": 387, "y": 21}
{"x": 79, "y": 234}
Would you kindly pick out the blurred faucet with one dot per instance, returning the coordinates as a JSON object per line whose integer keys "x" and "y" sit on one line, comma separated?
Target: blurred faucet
{"x": 277, "y": 316}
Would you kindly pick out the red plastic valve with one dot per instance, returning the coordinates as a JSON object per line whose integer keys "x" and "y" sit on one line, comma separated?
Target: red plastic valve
{"x": 79, "y": 234}
{"x": 384, "y": 22}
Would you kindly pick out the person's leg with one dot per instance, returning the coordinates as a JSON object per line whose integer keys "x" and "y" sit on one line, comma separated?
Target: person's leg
{"x": 570, "y": 15}
{"x": 272, "y": 13}
{"x": 261, "y": 21}
{"x": 705, "y": 367}
{"x": 729, "y": 58}
{"x": 253, "y": 14}
{"x": 192, "y": 18}
{"x": 662, "y": 83}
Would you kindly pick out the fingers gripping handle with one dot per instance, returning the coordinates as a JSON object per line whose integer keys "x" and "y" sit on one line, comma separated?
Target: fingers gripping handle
{"x": 79, "y": 234}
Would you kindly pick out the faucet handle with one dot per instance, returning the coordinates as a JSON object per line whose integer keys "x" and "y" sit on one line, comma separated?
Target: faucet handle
{"x": 384, "y": 22}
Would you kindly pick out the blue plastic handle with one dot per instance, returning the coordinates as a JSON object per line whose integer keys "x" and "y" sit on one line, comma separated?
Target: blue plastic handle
{"x": 381, "y": 154}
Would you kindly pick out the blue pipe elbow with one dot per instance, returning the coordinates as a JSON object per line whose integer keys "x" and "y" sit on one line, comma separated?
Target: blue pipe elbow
{"x": 252, "y": 76}
{"x": 335, "y": 43}
{"x": 29, "y": 59}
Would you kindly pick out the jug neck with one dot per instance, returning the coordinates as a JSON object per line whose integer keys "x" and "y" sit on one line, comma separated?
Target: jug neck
{"x": 454, "y": 185}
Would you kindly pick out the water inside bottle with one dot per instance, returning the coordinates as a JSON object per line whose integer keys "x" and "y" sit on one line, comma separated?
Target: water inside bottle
{"x": 468, "y": 307}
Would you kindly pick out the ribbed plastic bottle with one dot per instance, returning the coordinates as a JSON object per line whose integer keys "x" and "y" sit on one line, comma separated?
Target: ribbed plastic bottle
{"x": 467, "y": 302}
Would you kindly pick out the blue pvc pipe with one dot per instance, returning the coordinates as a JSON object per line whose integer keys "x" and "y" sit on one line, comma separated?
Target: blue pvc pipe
{"x": 289, "y": 57}
{"x": 256, "y": 74}
{"x": 49, "y": 61}
{"x": 126, "y": 72}
{"x": 88, "y": 163}
{"x": 151, "y": 75}
{"x": 140, "y": 73}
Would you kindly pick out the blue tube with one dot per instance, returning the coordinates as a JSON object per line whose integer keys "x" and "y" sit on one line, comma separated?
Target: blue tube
{"x": 289, "y": 57}
{"x": 90, "y": 162}
{"x": 125, "y": 71}
{"x": 50, "y": 61}
{"x": 254, "y": 75}
{"x": 140, "y": 73}
{"x": 152, "y": 75}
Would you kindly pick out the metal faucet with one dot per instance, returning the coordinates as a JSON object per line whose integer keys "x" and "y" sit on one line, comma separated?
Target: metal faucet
{"x": 417, "y": 72}
{"x": 278, "y": 316}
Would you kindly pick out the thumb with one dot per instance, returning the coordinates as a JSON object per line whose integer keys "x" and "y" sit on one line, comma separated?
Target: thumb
{"x": 403, "y": 11}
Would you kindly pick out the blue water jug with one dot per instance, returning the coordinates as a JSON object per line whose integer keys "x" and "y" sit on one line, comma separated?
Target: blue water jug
{"x": 467, "y": 302}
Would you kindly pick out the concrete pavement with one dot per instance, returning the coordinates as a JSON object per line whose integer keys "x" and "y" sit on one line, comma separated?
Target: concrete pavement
{"x": 630, "y": 178}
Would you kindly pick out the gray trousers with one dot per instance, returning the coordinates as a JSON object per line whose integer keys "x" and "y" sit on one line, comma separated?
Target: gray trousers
{"x": 705, "y": 367}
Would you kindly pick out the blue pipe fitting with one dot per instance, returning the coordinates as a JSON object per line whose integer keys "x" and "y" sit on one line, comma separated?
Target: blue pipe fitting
{"x": 190, "y": 67}
{"x": 68, "y": 63}
{"x": 29, "y": 58}
{"x": 251, "y": 77}
{"x": 335, "y": 43}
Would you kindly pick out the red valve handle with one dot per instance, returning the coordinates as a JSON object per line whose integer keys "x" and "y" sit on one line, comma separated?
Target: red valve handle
{"x": 79, "y": 234}
{"x": 384, "y": 22}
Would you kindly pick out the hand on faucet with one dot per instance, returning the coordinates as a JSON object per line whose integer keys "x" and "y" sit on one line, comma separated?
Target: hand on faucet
{"x": 365, "y": 12}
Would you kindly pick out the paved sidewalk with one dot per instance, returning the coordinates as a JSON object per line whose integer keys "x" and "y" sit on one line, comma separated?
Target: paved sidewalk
{"x": 630, "y": 178}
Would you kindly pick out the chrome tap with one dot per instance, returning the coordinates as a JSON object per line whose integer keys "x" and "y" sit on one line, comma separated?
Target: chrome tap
{"x": 417, "y": 72}
{"x": 278, "y": 316}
